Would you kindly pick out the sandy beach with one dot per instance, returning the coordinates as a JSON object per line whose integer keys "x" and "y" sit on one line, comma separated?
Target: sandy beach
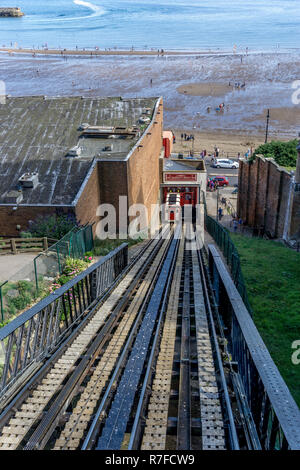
{"x": 189, "y": 84}
{"x": 230, "y": 144}
{"x": 205, "y": 89}
{"x": 99, "y": 52}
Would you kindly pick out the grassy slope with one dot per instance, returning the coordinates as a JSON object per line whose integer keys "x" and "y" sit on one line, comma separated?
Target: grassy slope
{"x": 272, "y": 276}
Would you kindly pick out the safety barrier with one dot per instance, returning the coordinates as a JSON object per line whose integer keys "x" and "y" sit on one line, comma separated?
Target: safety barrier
{"x": 27, "y": 285}
{"x": 24, "y": 245}
{"x": 38, "y": 331}
{"x": 275, "y": 417}
{"x": 222, "y": 238}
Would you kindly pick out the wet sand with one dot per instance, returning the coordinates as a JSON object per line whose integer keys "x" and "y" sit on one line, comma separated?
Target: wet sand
{"x": 268, "y": 81}
{"x": 205, "y": 89}
{"x": 284, "y": 116}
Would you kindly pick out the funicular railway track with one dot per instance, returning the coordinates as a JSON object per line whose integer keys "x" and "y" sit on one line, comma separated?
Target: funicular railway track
{"x": 144, "y": 372}
{"x": 141, "y": 372}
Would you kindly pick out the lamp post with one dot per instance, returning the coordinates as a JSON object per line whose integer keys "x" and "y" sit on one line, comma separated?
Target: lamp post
{"x": 267, "y": 126}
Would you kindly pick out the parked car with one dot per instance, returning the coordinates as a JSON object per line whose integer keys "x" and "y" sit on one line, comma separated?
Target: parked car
{"x": 224, "y": 163}
{"x": 221, "y": 180}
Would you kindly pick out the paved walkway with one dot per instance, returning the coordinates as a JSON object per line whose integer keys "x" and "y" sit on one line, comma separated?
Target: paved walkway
{"x": 11, "y": 264}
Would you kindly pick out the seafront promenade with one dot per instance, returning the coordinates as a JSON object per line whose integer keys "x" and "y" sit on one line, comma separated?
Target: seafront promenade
{"x": 96, "y": 52}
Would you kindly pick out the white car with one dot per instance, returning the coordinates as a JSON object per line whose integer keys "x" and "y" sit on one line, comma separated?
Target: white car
{"x": 225, "y": 163}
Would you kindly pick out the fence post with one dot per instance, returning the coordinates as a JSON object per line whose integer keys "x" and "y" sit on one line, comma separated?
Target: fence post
{"x": 1, "y": 301}
{"x": 1, "y": 305}
{"x": 45, "y": 243}
{"x": 13, "y": 246}
{"x": 35, "y": 274}
{"x": 58, "y": 259}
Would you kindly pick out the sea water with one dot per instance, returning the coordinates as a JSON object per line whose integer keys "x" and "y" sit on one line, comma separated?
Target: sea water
{"x": 195, "y": 25}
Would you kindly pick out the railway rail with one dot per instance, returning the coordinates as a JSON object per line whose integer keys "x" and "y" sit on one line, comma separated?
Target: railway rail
{"x": 149, "y": 368}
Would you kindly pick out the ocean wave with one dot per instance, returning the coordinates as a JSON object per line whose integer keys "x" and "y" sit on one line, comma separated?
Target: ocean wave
{"x": 95, "y": 8}
{"x": 95, "y": 11}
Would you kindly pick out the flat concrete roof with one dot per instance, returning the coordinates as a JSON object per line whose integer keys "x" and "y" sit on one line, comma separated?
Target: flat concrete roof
{"x": 181, "y": 165}
{"x": 37, "y": 132}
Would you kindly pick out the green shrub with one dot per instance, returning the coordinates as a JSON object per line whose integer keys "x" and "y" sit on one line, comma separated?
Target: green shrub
{"x": 26, "y": 235}
{"x": 284, "y": 153}
{"x": 53, "y": 226}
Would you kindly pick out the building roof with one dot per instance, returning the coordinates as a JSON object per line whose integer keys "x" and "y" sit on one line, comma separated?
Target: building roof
{"x": 187, "y": 165}
{"x": 37, "y": 133}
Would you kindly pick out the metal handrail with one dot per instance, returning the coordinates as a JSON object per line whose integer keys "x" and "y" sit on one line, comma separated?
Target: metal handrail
{"x": 275, "y": 412}
{"x": 36, "y": 332}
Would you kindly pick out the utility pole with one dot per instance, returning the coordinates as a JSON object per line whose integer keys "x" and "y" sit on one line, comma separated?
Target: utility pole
{"x": 267, "y": 126}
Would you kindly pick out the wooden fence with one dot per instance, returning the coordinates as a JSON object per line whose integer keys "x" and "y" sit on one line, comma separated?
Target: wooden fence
{"x": 23, "y": 245}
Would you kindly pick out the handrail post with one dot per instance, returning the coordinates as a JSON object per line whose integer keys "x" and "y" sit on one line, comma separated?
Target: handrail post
{"x": 35, "y": 273}
{"x": 1, "y": 301}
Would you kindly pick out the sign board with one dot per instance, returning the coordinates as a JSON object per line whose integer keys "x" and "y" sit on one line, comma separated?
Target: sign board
{"x": 191, "y": 177}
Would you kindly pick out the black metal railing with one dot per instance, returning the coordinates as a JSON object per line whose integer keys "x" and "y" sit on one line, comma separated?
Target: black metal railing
{"x": 274, "y": 412}
{"x": 38, "y": 331}
{"x": 222, "y": 238}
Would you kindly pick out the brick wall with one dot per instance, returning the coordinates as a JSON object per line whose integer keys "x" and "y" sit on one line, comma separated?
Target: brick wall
{"x": 9, "y": 219}
{"x": 295, "y": 219}
{"x": 113, "y": 183}
{"x": 263, "y": 195}
{"x": 242, "y": 202}
{"x": 89, "y": 200}
{"x": 143, "y": 167}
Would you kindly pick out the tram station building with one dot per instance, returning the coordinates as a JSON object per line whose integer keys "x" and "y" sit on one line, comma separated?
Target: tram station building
{"x": 69, "y": 155}
{"x": 185, "y": 176}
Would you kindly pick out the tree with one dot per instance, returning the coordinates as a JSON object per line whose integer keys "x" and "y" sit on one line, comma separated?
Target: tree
{"x": 284, "y": 153}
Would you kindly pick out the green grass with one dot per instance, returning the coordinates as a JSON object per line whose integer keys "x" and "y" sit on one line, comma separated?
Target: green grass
{"x": 272, "y": 276}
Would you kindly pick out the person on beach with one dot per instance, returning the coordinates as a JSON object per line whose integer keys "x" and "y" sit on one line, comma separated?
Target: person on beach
{"x": 151, "y": 81}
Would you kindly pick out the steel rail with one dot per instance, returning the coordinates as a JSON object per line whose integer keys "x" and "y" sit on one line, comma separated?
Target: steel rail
{"x": 234, "y": 442}
{"x": 41, "y": 369}
{"x": 137, "y": 424}
{"x": 184, "y": 399}
{"x": 138, "y": 282}
{"x": 44, "y": 430}
{"x": 115, "y": 426}
{"x": 250, "y": 433}
{"x": 91, "y": 436}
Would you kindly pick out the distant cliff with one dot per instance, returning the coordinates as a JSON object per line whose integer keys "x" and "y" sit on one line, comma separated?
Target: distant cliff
{"x": 11, "y": 12}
